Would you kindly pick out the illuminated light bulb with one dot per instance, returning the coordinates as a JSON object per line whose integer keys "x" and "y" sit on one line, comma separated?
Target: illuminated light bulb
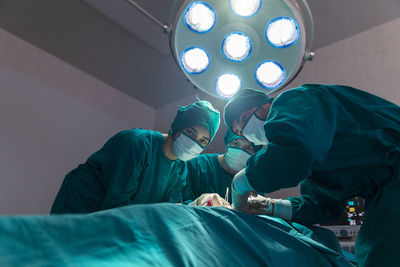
{"x": 195, "y": 60}
{"x": 236, "y": 46}
{"x": 282, "y": 32}
{"x": 245, "y": 8}
{"x": 270, "y": 74}
{"x": 200, "y": 17}
{"x": 227, "y": 85}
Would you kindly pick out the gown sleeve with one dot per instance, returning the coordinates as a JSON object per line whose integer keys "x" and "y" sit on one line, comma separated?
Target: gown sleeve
{"x": 313, "y": 206}
{"x": 192, "y": 182}
{"x": 123, "y": 162}
{"x": 175, "y": 194}
{"x": 196, "y": 182}
{"x": 300, "y": 128}
{"x": 203, "y": 176}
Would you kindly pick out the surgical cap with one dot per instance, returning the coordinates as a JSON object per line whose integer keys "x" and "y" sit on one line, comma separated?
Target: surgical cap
{"x": 199, "y": 113}
{"x": 230, "y": 136}
{"x": 242, "y": 101}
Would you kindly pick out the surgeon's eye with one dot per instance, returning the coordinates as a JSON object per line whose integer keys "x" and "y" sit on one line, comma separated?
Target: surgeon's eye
{"x": 235, "y": 143}
{"x": 203, "y": 142}
{"x": 249, "y": 149}
{"x": 190, "y": 132}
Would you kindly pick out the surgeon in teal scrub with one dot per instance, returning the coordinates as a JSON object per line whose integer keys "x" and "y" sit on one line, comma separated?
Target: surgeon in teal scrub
{"x": 213, "y": 173}
{"x": 139, "y": 166}
{"x": 338, "y": 142}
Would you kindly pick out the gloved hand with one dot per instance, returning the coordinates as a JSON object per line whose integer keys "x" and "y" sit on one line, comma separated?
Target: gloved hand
{"x": 249, "y": 202}
{"x": 255, "y": 204}
{"x": 266, "y": 202}
{"x": 245, "y": 199}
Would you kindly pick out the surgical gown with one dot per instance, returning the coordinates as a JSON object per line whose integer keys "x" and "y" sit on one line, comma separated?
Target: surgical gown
{"x": 130, "y": 168}
{"x": 206, "y": 175}
{"x": 339, "y": 142}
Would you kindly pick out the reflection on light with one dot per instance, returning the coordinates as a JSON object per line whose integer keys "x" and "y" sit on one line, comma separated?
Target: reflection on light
{"x": 195, "y": 60}
{"x": 270, "y": 74}
{"x": 245, "y": 8}
{"x": 227, "y": 85}
{"x": 200, "y": 17}
{"x": 236, "y": 46}
{"x": 282, "y": 32}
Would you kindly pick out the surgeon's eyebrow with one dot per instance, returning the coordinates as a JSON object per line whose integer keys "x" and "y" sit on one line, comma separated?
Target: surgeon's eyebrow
{"x": 197, "y": 134}
{"x": 193, "y": 129}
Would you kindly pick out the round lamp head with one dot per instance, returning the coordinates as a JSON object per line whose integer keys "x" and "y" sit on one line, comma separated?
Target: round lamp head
{"x": 223, "y": 46}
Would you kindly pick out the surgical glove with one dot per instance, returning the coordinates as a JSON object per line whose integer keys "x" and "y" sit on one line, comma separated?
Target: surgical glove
{"x": 281, "y": 208}
{"x": 245, "y": 199}
{"x": 241, "y": 182}
{"x": 241, "y": 190}
{"x": 241, "y": 203}
{"x": 268, "y": 203}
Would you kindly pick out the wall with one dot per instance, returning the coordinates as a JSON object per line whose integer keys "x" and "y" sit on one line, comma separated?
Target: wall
{"x": 52, "y": 117}
{"x": 369, "y": 61}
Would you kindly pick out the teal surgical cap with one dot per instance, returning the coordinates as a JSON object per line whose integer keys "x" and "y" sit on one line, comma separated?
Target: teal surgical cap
{"x": 242, "y": 101}
{"x": 230, "y": 136}
{"x": 199, "y": 113}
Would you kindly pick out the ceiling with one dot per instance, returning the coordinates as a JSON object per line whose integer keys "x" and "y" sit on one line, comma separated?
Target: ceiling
{"x": 112, "y": 41}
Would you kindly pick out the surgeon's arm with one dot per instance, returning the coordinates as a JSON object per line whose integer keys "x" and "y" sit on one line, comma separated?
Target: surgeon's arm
{"x": 244, "y": 198}
{"x": 300, "y": 129}
{"x": 124, "y": 161}
{"x": 175, "y": 194}
{"x": 314, "y": 206}
{"x": 187, "y": 193}
{"x": 194, "y": 182}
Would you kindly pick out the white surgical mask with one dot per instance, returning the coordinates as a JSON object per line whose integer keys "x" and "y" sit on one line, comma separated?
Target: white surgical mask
{"x": 236, "y": 158}
{"x": 185, "y": 148}
{"x": 254, "y": 131}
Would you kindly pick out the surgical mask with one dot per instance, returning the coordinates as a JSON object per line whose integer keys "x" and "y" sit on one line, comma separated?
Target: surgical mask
{"x": 236, "y": 158}
{"x": 185, "y": 148}
{"x": 254, "y": 131}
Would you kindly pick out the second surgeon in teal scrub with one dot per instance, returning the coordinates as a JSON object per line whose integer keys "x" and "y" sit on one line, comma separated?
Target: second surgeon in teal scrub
{"x": 139, "y": 166}
{"x": 213, "y": 173}
{"x": 338, "y": 142}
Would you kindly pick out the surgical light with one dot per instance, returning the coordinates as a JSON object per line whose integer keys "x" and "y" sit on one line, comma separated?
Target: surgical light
{"x": 200, "y": 17}
{"x": 227, "y": 85}
{"x": 195, "y": 60}
{"x": 282, "y": 32}
{"x": 225, "y": 45}
{"x": 236, "y": 46}
{"x": 270, "y": 74}
{"x": 245, "y": 8}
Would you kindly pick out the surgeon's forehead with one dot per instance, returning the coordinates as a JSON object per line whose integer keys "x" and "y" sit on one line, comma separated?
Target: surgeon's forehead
{"x": 246, "y": 113}
{"x": 200, "y": 131}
